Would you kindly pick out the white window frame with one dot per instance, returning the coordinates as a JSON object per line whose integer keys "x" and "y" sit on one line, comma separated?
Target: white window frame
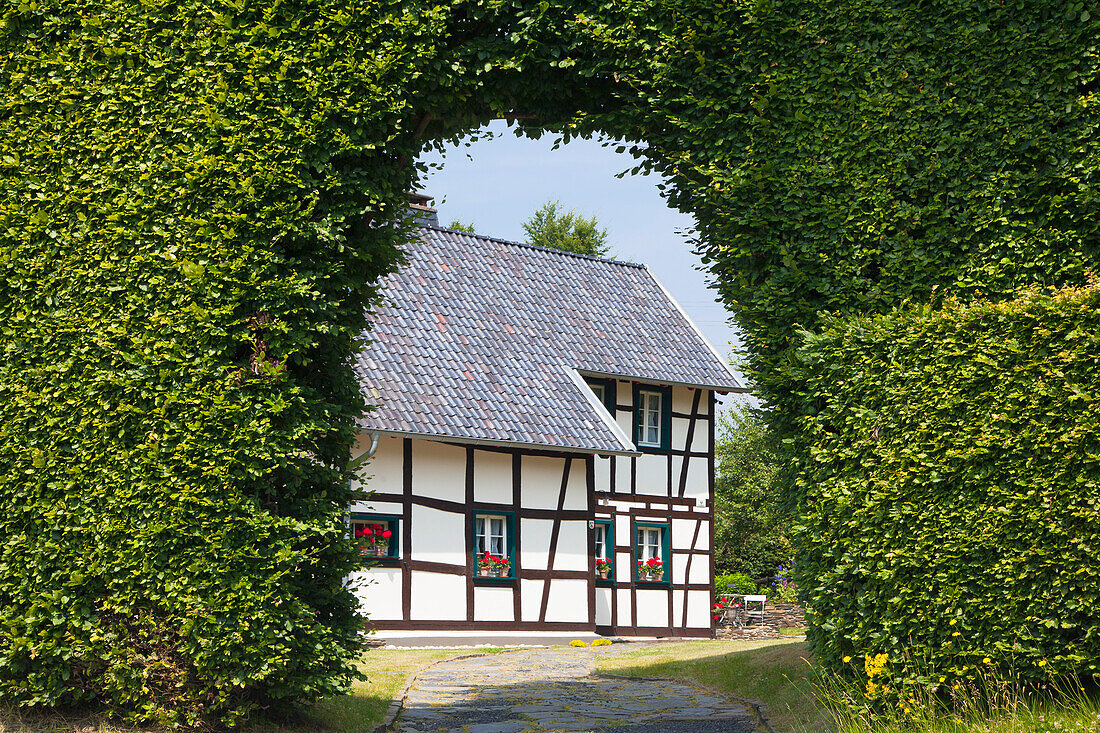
{"x": 646, "y": 546}
{"x": 649, "y": 412}
{"x": 483, "y": 539}
{"x": 600, "y": 390}
{"x": 601, "y": 541}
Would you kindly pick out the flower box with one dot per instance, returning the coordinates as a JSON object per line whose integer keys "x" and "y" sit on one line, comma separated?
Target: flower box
{"x": 491, "y": 566}
{"x": 603, "y": 568}
{"x": 651, "y": 570}
{"x": 374, "y": 540}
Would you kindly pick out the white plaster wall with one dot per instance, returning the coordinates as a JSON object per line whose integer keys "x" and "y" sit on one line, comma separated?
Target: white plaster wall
{"x": 698, "y": 480}
{"x": 682, "y": 397}
{"x": 568, "y": 600}
{"x": 530, "y": 599}
{"x": 576, "y": 491}
{"x": 623, "y": 566}
{"x": 679, "y": 568}
{"x": 703, "y": 541}
{"x": 603, "y": 473}
{"x": 438, "y": 536}
{"x": 492, "y": 477}
{"x": 699, "y": 609}
{"x": 377, "y": 507}
{"x": 535, "y": 543}
{"x": 700, "y": 570}
{"x": 701, "y": 442}
{"x": 379, "y": 592}
{"x": 652, "y": 607}
{"x": 603, "y": 605}
{"x": 438, "y": 597}
{"x": 439, "y": 470}
{"x": 679, "y": 432}
{"x": 682, "y": 531}
{"x": 383, "y": 472}
{"x": 652, "y": 476}
{"x": 625, "y": 604}
{"x": 572, "y": 551}
{"x": 540, "y": 483}
{"x": 493, "y": 603}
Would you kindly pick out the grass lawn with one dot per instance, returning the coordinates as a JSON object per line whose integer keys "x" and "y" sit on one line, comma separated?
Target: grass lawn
{"x": 387, "y": 671}
{"x": 775, "y": 671}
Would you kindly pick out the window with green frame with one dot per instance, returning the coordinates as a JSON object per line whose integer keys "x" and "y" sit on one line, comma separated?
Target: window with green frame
{"x": 605, "y": 392}
{"x": 494, "y": 533}
{"x": 604, "y": 533}
{"x": 652, "y": 418}
{"x": 378, "y": 535}
{"x": 651, "y": 553}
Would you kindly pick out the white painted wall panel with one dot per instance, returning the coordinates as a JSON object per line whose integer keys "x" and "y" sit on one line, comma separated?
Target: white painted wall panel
{"x": 530, "y": 599}
{"x": 623, "y": 566}
{"x": 439, "y": 470}
{"x": 652, "y": 607}
{"x": 492, "y": 477}
{"x": 603, "y": 605}
{"x": 572, "y": 551}
{"x": 603, "y": 473}
{"x": 576, "y": 493}
{"x": 379, "y": 592}
{"x": 699, "y": 609}
{"x": 682, "y": 397}
{"x": 701, "y": 442}
{"x": 493, "y": 603}
{"x": 535, "y": 540}
{"x": 703, "y": 541}
{"x": 698, "y": 480}
{"x": 383, "y": 472}
{"x": 679, "y": 432}
{"x": 438, "y": 536}
{"x": 625, "y": 602}
{"x": 541, "y": 481}
{"x": 377, "y": 507}
{"x": 427, "y": 591}
{"x": 568, "y": 601}
{"x": 700, "y": 570}
{"x": 682, "y": 531}
{"x": 653, "y": 474}
{"x": 679, "y": 568}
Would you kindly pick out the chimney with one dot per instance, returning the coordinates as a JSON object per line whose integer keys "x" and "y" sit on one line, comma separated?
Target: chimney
{"x": 423, "y": 214}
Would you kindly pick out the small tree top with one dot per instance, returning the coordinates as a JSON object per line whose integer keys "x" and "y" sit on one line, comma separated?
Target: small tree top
{"x": 553, "y": 227}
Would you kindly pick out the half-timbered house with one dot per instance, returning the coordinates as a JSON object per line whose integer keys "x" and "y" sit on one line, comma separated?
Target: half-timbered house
{"x": 551, "y": 409}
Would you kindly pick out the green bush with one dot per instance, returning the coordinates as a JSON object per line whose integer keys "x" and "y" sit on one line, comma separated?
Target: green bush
{"x": 734, "y": 583}
{"x": 950, "y": 505}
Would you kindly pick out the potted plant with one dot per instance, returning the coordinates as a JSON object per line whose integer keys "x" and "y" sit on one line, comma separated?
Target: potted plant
{"x": 375, "y": 540}
{"x": 491, "y": 566}
{"x": 651, "y": 569}
{"x": 603, "y": 567}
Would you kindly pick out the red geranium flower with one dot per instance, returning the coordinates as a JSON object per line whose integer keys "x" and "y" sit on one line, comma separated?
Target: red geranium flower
{"x": 387, "y": 534}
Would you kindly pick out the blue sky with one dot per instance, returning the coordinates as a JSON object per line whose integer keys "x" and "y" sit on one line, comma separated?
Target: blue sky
{"x": 498, "y": 183}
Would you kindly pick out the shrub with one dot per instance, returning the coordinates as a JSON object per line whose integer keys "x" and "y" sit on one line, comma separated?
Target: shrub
{"x": 578, "y": 643}
{"x": 602, "y": 642}
{"x": 949, "y": 498}
{"x": 735, "y": 583}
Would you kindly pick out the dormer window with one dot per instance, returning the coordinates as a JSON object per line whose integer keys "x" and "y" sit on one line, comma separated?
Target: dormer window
{"x": 604, "y": 389}
{"x": 652, "y": 418}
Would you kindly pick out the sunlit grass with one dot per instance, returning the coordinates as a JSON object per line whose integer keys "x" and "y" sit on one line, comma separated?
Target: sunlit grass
{"x": 359, "y": 711}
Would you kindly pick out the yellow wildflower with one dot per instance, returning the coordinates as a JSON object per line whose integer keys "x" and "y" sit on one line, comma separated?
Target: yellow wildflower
{"x": 955, "y": 633}
{"x": 1043, "y": 663}
{"x": 985, "y": 660}
{"x": 952, "y": 623}
{"x": 847, "y": 659}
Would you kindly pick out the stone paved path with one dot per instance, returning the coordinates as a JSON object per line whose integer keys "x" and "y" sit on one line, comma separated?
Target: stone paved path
{"x": 555, "y": 689}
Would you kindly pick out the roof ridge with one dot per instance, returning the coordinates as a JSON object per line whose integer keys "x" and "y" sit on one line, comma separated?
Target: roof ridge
{"x": 537, "y": 248}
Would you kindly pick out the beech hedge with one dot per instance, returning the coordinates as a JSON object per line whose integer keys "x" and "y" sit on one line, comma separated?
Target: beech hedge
{"x": 199, "y": 197}
{"x": 950, "y": 495}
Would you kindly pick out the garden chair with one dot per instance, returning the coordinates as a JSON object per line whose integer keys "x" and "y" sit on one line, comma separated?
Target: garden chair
{"x": 754, "y": 607}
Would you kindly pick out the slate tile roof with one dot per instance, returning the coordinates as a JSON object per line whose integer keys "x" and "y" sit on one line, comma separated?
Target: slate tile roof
{"x": 477, "y": 338}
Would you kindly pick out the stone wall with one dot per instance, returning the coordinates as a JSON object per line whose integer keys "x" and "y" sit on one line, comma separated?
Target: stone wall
{"x": 776, "y": 616}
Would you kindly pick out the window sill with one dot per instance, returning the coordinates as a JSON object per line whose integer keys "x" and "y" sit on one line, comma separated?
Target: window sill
{"x": 381, "y": 562}
{"x": 606, "y": 582}
{"x": 482, "y": 579}
{"x": 653, "y": 583}
{"x": 654, "y": 449}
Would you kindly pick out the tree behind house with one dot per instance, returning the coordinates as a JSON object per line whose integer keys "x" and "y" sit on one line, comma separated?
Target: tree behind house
{"x": 748, "y": 522}
{"x": 554, "y": 228}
